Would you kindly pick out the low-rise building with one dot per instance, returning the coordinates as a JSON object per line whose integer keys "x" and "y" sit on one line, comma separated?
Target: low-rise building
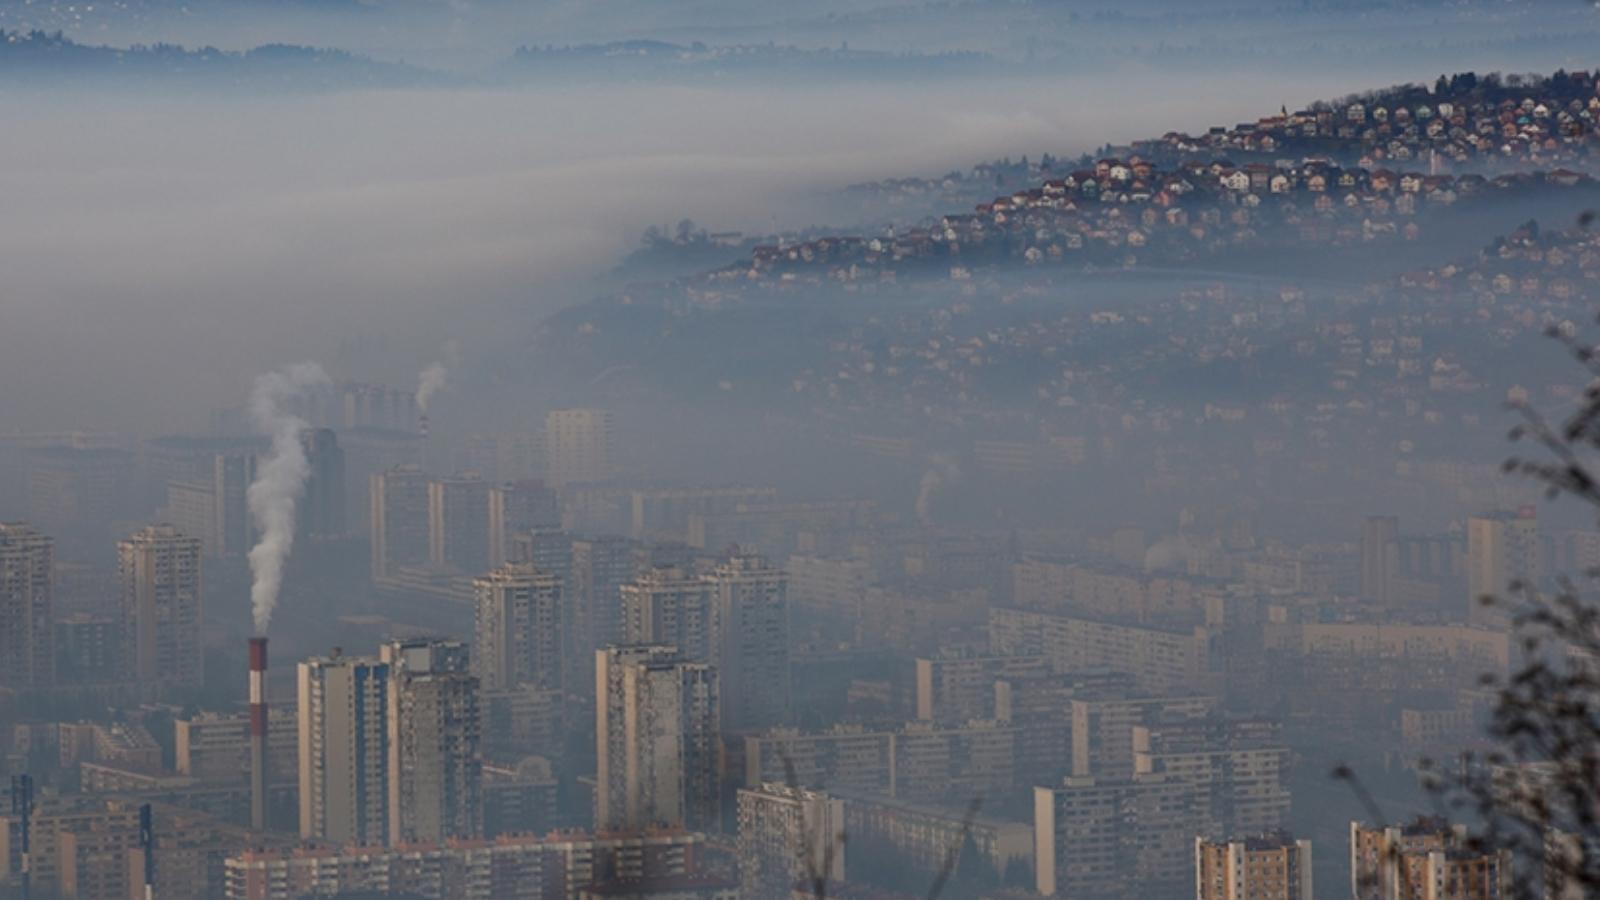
{"x": 513, "y": 867}
{"x": 1267, "y": 867}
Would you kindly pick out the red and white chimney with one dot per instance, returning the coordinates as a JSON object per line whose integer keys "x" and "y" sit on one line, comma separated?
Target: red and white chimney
{"x": 258, "y": 733}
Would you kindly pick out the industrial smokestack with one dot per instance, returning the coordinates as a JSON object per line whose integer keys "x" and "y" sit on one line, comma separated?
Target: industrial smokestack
{"x": 258, "y": 733}
{"x": 428, "y": 384}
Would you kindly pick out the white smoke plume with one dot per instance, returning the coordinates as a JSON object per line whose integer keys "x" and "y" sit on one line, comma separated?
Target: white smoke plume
{"x": 942, "y": 470}
{"x": 280, "y": 479}
{"x": 429, "y": 383}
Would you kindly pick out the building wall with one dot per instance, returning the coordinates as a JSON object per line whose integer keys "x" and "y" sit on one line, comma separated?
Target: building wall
{"x": 578, "y": 446}
{"x": 520, "y": 632}
{"x": 1501, "y": 550}
{"x": 399, "y": 519}
{"x": 1102, "y": 729}
{"x": 957, "y": 689}
{"x": 670, "y": 606}
{"x": 1266, "y": 868}
{"x": 751, "y": 642}
{"x": 163, "y": 606}
{"x": 658, "y": 739}
{"x": 1386, "y": 864}
{"x": 434, "y": 742}
{"x": 516, "y": 867}
{"x": 1160, "y": 660}
{"x": 927, "y": 834}
{"x": 788, "y": 836}
{"x": 458, "y": 524}
{"x": 920, "y": 760}
{"x": 117, "y": 822}
{"x": 344, "y": 760}
{"x": 1116, "y": 837}
{"x": 600, "y": 566}
{"x": 216, "y": 746}
{"x": 27, "y": 638}
{"x": 516, "y": 509}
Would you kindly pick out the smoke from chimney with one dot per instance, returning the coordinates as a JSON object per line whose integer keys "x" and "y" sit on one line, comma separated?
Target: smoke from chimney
{"x": 429, "y": 383}
{"x": 280, "y": 480}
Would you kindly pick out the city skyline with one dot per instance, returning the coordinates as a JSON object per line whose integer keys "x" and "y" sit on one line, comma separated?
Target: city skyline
{"x": 1041, "y": 450}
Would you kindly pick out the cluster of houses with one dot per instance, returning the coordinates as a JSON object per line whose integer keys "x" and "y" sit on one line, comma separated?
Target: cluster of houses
{"x": 1121, "y": 213}
{"x": 1463, "y": 124}
{"x": 1547, "y": 123}
{"x": 912, "y": 198}
{"x": 1528, "y": 277}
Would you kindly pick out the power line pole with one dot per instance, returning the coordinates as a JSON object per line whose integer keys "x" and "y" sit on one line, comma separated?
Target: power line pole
{"x": 22, "y": 808}
{"x": 147, "y": 842}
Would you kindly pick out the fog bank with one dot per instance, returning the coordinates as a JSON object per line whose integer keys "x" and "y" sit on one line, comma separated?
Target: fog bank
{"x": 161, "y": 252}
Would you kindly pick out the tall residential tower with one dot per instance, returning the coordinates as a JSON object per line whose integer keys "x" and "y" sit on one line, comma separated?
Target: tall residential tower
{"x": 435, "y": 762}
{"x": 520, "y": 633}
{"x": 163, "y": 606}
{"x": 577, "y": 446}
{"x": 751, "y": 635}
{"x": 658, "y": 740}
{"x": 399, "y": 519}
{"x": 344, "y": 760}
{"x": 27, "y": 637}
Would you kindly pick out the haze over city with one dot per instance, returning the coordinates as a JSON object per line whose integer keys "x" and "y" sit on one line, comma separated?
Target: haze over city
{"x": 979, "y": 449}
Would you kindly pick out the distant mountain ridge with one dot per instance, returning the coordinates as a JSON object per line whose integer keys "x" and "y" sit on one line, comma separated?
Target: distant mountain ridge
{"x": 637, "y": 58}
{"x": 52, "y": 56}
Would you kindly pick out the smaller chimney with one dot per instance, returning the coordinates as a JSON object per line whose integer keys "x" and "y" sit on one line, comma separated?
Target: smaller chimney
{"x": 258, "y": 733}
